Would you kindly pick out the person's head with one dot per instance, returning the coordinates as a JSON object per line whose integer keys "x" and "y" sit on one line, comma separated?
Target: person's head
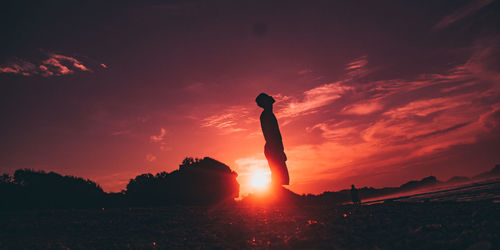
{"x": 352, "y": 186}
{"x": 264, "y": 100}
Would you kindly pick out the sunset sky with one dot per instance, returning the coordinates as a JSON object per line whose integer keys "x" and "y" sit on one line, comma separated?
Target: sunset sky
{"x": 372, "y": 93}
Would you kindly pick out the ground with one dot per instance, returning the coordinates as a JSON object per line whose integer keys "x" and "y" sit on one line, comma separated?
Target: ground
{"x": 389, "y": 225}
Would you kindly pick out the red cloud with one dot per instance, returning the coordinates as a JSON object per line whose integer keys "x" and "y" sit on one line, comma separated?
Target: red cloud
{"x": 60, "y": 65}
{"x": 18, "y": 67}
{"x": 54, "y": 65}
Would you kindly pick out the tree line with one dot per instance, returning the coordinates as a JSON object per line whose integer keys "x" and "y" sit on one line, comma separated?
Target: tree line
{"x": 197, "y": 182}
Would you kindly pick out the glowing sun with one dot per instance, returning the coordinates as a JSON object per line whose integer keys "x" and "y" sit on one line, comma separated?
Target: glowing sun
{"x": 260, "y": 179}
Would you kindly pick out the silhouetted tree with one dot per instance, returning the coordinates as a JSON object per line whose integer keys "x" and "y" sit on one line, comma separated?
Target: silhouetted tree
{"x": 5, "y": 178}
{"x": 10, "y": 193}
{"x": 38, "y": 189}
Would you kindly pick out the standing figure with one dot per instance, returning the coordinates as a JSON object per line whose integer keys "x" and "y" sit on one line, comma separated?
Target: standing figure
{"x": 355, "y": 196}
{"x": 273, "y": 149}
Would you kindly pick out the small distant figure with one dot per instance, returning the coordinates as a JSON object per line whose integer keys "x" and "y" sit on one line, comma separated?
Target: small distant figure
{"x": 273, "y": 149}
{"x": 355, "y": 196}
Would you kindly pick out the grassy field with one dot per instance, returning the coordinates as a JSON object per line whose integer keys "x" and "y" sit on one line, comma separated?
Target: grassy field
{"x": 390, "y": 225}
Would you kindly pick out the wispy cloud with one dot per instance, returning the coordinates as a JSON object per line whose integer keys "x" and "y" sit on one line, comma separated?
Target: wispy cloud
{"x": 229, "y": 120}
{"x": 357, "y": 63}
{"x": 363, "y": 108}
{"x": 422, "y": 119}
{"x": 53, "y": 65}
{"x": 150, "y": 157}
{"x": 120, "y": 132}
{"x": 20, "y": 67}
{"x": 56, "y": 60}
{"x": 314, "y": 98}
{"x": 461, "y": 13}
{"x": 304, "y": 72}
{"x": 160, "y": 139}
{"x": 195, "y": 87}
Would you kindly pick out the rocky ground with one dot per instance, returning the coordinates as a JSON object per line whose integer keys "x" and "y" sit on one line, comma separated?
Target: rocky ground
{"x": 389, "y": 225}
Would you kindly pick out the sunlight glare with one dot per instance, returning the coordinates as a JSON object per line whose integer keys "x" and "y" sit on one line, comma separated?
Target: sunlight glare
{"x": 260, "y": 179}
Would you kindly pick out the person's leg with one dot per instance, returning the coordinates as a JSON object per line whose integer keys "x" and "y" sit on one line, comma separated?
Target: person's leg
{"x": 279, "y": 172}
{"x": 275, "y": 175}
{"x": 283, "y": 172}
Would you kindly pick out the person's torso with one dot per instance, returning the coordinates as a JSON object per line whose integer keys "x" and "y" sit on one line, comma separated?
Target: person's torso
{"x": 271, "y": 131}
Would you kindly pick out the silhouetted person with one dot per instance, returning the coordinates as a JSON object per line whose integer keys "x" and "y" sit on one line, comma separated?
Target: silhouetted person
{"x": 355, "y": 196}
{"x": 273, "y": 149}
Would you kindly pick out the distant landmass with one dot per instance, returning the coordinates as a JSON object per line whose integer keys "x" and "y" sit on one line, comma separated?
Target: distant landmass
{"x": 370, "y": 192}
{"x": 495, "y": 172}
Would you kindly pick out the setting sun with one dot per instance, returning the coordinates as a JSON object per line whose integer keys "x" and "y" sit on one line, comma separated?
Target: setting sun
{"x": 260, "y": 179}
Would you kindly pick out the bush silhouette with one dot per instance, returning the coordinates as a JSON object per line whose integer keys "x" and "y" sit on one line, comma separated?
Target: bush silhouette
{"x": 38, "y": 189}
{"x": 197, "y": 181}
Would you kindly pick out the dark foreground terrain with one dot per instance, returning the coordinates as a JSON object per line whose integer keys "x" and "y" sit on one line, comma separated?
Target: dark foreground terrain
{"x": 389, "y": 225}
